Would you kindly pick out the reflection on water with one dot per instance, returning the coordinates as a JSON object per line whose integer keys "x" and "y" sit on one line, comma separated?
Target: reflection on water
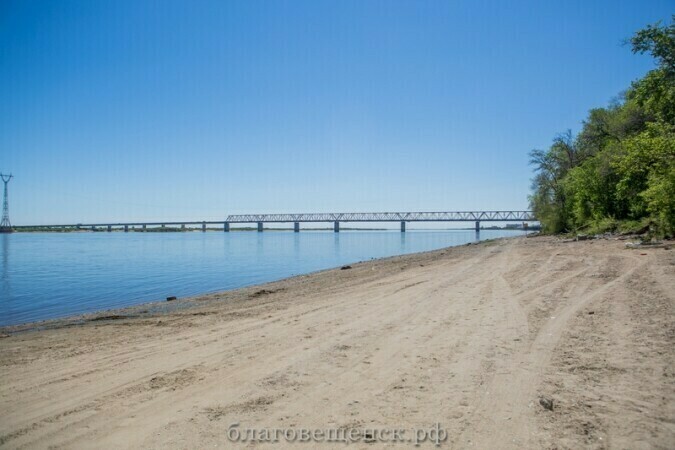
{"x": 60, "y": 274}
{"x": 4, "y": 270}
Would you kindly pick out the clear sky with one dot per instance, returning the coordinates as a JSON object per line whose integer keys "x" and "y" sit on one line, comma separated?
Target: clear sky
{"x": 190, "y": 110}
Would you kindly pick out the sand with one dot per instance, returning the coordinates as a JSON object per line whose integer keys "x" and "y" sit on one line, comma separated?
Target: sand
{"x": 471, "y": 338}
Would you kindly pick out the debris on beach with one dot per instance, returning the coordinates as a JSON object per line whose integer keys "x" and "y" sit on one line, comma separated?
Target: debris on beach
{"x": 262, "y": 292}
{"x": 345, "y": 267}
{"x": 109, "y": 317}
{"x": 547, "y": 403}
{"x": 647, "y": 244}
{"x": 171, "y": 298}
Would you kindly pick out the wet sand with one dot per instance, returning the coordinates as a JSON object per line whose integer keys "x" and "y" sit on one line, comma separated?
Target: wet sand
{"x": 471, "y": 337}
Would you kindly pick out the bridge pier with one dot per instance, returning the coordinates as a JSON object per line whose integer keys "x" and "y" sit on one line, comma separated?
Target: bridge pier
{"x": 226, "y": 227}
{"x": 336, "y": 226}
{"x": 477, "y": 226}
{"x": 126, "y": 228}
{"x": 109, "y": 228}
{"x": 182, "y": 227}
{"x": 260, "y": 227}
{"x": 402, "y": 226}
{"x": 203, "y": 227}
{"x": 144, "y": 227}
{"x": 296, "y": 227}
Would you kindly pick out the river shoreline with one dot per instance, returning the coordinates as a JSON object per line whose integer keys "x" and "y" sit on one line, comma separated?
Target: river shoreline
{"x": 476, "y": 337}
{"x": 89, "y": 272}
{"x": 162, "y": 307}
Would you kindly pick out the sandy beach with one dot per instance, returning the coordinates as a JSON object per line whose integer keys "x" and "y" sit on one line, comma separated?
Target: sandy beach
{"x": 477, "y": 338}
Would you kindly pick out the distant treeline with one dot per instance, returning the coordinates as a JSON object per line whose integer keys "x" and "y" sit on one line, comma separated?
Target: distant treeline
{"x": 618, "y": 173}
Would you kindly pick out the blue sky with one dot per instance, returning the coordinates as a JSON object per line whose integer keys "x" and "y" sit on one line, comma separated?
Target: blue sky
{"x": 191, "y": 110}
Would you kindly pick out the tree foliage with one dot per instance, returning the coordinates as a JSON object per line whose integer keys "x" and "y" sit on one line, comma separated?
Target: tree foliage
{"x": 621, "y": 166}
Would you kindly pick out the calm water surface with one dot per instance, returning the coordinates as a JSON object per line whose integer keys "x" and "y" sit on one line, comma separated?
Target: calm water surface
{"x": 48, "y": 275}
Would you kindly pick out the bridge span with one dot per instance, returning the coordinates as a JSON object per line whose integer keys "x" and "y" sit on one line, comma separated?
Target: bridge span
{"x": 260, "y": 219}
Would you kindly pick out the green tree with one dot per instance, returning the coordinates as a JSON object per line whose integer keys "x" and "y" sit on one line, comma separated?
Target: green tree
{"x": 656, "y": 91}
{"x": 551, "y": 166}
{"x": 645, "y": 169}
{"x": 660, "y": 42}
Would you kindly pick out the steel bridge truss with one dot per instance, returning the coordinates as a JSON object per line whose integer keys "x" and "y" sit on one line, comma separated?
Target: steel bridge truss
{"x": 449, "y": 216}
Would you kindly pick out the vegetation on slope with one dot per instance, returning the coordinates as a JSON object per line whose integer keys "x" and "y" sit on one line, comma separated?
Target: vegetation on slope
{"x": 618, "y": 173}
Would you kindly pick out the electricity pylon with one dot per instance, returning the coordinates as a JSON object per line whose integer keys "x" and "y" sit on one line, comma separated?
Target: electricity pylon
{"x": 5, "y": 225}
